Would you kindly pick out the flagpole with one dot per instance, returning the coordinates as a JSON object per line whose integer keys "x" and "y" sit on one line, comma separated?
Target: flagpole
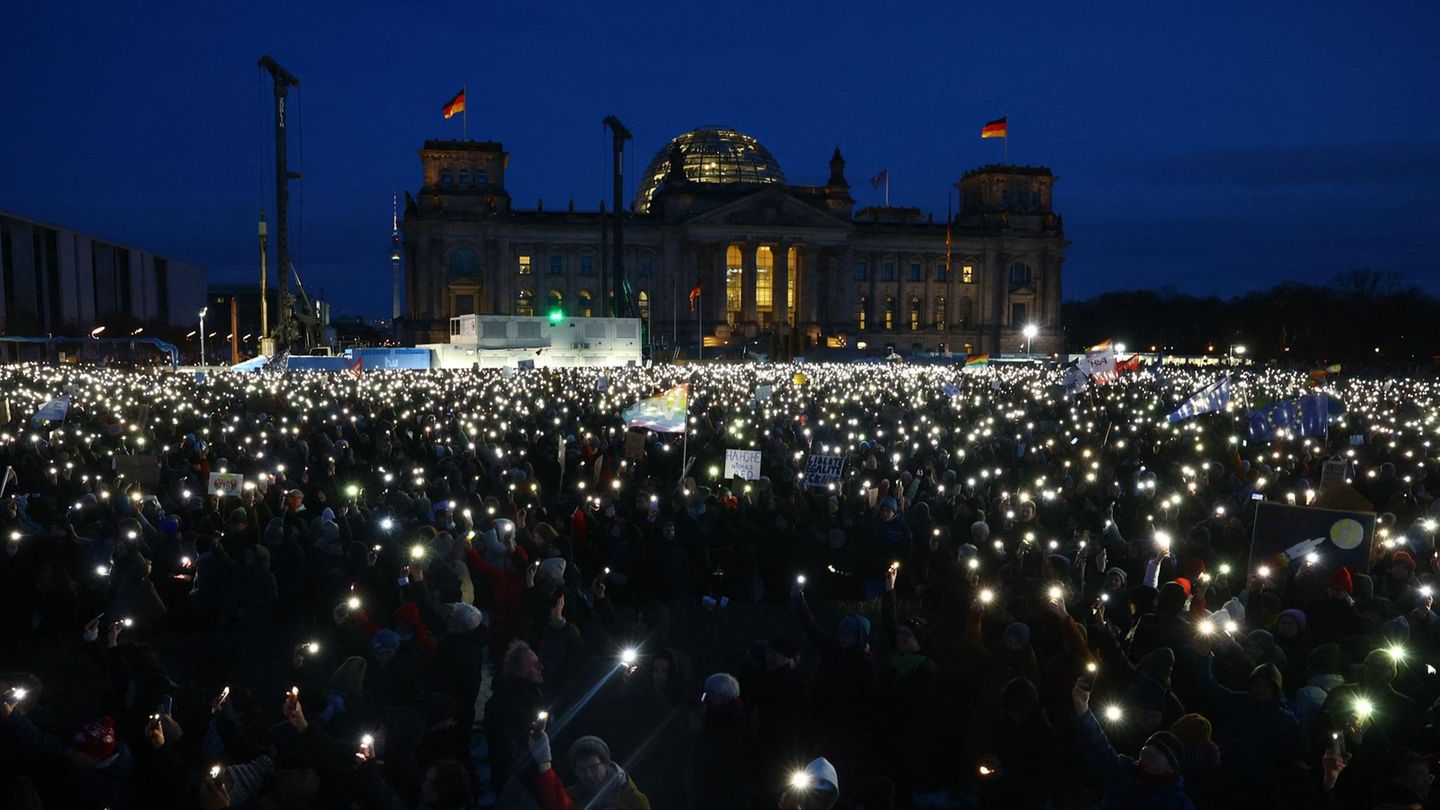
{"x": 887, "y": 188}
{"x": 699, "y": 326}
{"x": 464, "y": 113}
{"x": 1006, "y": 139}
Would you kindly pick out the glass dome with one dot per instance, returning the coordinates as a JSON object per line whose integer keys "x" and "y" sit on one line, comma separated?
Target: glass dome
{"x": 711, "y": 155}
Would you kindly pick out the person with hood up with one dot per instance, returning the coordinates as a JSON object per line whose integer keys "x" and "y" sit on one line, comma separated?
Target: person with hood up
{"x": 1151, "y": 780}
{"x": 600, "y": 783}
{"x": 816, "y": 787}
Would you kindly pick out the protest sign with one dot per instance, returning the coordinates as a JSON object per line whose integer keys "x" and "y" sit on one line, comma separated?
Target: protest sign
{"x": 635, "y": 445}
{"x": 822, "y": 471}
{"x": 1286, "y": 535}
{"x": 742, "y": 463}
{"x": 226, "y": 483}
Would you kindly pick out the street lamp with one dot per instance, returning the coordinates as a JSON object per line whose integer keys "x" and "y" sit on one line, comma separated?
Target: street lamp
{"x": 1237, "y": 351}
{"x": 137, "y": 331}
{"x": 203, "y": 310}
{"x": 95, "y": 333}
{"x": 1030, "y": 331}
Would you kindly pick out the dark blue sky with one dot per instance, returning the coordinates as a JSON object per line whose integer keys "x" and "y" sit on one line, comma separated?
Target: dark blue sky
{"x": 1217, "y": 147}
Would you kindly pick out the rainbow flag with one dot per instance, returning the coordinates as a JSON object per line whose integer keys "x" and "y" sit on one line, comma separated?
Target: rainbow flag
{"x": 978, "y": 361}
{"x": 663, "y": 413}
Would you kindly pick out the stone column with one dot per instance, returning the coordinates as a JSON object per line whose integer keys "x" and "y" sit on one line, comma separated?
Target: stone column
{"x": 747, "y": 283}
{"x": 875, "y": 316}
{"x": 780, "y": 286}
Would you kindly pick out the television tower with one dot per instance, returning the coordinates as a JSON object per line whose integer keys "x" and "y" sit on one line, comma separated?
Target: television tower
{"x": 394, "y": 259}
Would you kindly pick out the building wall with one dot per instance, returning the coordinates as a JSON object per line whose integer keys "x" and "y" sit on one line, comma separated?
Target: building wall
{"x": 57, "y": 281}
{"x": 464, "y": 258}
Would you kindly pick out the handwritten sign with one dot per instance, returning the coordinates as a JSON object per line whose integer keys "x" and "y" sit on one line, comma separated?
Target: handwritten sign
{"x": 823, "y": 471}
{"x": 743, "y": 464}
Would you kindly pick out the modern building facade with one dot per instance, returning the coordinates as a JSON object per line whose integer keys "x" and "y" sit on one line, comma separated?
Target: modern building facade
{"x": 714, "y": 209}
{"x": 59, "y": 282}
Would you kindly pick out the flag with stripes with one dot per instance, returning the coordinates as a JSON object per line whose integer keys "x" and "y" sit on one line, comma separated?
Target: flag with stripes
{"x": 356, "y": 368}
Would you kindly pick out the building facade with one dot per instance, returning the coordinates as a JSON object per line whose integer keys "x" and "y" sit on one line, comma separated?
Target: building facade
{"x": 714, "y": 209}
{"x": 59, "y": 282}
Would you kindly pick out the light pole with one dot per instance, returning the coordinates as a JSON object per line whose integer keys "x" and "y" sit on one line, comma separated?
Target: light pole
{"x": 203, "y": 310}
{"x": 1030, "y": 331}
{"x": 1237, "y": 351}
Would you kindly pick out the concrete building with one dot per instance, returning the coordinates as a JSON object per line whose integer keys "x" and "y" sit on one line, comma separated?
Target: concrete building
{"x": 59, "y": 282}
{"x": 714, "y": 208}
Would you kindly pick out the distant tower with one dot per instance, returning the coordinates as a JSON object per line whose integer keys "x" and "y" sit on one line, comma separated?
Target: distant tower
{"x": 394, "y": 259}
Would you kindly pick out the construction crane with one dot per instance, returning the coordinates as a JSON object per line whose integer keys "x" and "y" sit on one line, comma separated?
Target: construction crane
{"x": 302, "y": 329}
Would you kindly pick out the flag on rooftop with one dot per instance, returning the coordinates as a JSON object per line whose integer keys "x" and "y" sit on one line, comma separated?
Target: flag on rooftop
{"x": 995, "y": 129}
{"x": 455, "y": 105}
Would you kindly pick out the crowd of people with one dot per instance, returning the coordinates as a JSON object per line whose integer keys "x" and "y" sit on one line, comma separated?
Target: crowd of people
{"x": 452, "y": 590}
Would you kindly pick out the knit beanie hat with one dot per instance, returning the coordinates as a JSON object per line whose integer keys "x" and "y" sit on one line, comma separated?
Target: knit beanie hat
{"x": 1405, "y": 558}
{"x": 856, "y": 625}
{"x": 1296, "y": 615}
{"x": 1396, "y": 631}
{"x": 1169, "y": 745}
{"x": 386, "y": 641}
{"x": 1341, "y": 579}
{"x": 465, "y": 617}
{"x": 245, "y": 781}
{"x": 553, "y": 569}
{"x": 891, "y": 504}
{"x": 1172, "y": 599}
{"x": 349, "y": 677}
{"x": 1192, "y": 729}
{"x": 589, "y": 746}
{"x": 1364, "y": 587}
{"x": 822, "y": 775}
{"x": 1115, "y": 571}
{"x": 723, "y": 685}
{"x": 1158, "y": 663}
{"x": 96, "y": 739}
{"x": 1271, "y": 674}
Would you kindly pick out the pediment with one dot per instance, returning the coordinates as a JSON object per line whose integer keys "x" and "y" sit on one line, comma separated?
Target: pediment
{"x": 771, "y": 207}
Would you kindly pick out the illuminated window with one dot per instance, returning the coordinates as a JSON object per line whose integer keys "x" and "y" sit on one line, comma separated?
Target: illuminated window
{"x": 555, "y": 302}
{"x": 524, "y": 265}
{"x": 587, "y": 304}
{"x": 862, "y": 306}
{"x": 587, "y": 265}
{"x": 1020, "y": 273}
{"x": 764, "y": 283}
{"x": 463, "y": 262}
{"x": 917, "y": 311}
{"x": 647, "y": 265}
{"x": 967, "y": 274}
{"x": 734, "y": 283}
{"x": 862, "y": 270}
{"x": 792, "y": 261}
{"x": 917, "y": 271}
{"x": 969, "y": 347}
{"x": 557, "y": 265}
{"x": 525, "y": 304}
{"x": 889, "y": 313}
{"x": 888, "y": 273}
{"x": 644, "y": 300}
{"x": 942, "y": 273}
{"x": 940, "y": 312}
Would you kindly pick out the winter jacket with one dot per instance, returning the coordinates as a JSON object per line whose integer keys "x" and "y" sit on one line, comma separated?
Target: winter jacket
{"x": 1125, "y": 787}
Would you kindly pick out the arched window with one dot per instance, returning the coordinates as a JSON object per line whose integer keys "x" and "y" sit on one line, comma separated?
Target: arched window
{"x": 1020, "y": 273}
{"x": 587, "y": 304}
{"x": 764, "y": 283}
{"x": 644, "y": 300}
{"x": 525, "y": 303}
{"x": 889, "y": 313}
{"x": 940, "y": 323}
{"x": 962, "y": 312}
{"x": 862, "y": 308}
{"x": 555, "y": 302}
{"x": 917, "y": 311}
{"x": 734, "y": 283}
{"x": 462, "y": 262}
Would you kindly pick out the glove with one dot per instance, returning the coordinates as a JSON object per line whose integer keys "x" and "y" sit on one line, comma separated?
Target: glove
{"x": 540, "y": 748}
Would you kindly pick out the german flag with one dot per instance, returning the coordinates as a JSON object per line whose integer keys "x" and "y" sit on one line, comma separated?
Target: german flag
{"x": 694, "y": 295}
{"x": 455, "y": 105}
{"x": 994, "y": 129}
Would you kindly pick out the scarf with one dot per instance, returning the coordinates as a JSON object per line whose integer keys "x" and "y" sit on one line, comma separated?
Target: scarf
{"x": 906, "y": 663}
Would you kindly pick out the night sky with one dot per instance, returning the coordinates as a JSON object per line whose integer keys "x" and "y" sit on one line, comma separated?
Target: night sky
{"x": 1215, "y": 148}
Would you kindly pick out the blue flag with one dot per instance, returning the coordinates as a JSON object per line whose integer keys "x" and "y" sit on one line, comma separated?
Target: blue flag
{"x": 1213, "y": 397}
{"x": 1306, "y": 416}
{"x": 54, "y": 410}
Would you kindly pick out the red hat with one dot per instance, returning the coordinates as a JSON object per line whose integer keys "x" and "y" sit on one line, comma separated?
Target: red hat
{"x": 1185, "y": 583}
{"x": 97, "y": 740}
{"x": 1404, "y": 557}
{"x": 1341, "y": 579}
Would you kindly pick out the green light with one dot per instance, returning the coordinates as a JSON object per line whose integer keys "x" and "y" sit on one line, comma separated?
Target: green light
{"x": 557, "y": 315}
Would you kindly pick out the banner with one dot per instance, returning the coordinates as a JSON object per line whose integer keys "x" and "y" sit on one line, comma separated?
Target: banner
{"x": 1306, "y": 416}
{"x": 226, "y": 483}
{"x": 1284, "y": 535}
{"x": 742, "y": 463}
{"x": 663, "y": 413}
{"x": 823, "y": 471}
{"x": 1211, "y": 398}
{"x": 1099, "y": 363}
{"x": 763, "y": 392}
{"x": 601, "y": 383}
{"x": 54, "y": 410}
{"x": 525, "y": 365}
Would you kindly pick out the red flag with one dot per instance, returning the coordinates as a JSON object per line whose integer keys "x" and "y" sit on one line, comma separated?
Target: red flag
{"x": 694, "y": 295}
{"x": 356, "y": 368}
{"x": 455, "y": 105}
